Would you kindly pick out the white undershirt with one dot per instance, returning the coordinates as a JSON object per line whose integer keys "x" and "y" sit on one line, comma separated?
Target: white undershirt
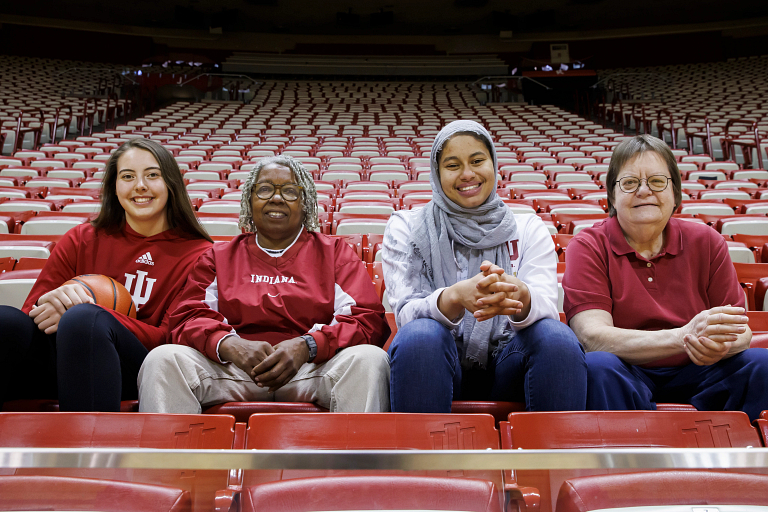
{"x": 276, "y": 253}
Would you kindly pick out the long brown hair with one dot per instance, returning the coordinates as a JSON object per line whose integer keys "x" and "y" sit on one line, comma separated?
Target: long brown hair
{"x": 178, "y": 209}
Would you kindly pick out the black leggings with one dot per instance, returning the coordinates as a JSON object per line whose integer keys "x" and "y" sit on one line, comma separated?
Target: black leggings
{"x": 90, "y": 364}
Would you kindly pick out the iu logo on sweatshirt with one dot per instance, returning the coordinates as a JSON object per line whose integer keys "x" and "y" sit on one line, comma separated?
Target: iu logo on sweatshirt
{"x": 139, "y": 292}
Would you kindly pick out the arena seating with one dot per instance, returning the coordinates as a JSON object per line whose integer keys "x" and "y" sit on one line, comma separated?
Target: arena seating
{"x": 714, "y": 108}
{"x": 116, "y": 430}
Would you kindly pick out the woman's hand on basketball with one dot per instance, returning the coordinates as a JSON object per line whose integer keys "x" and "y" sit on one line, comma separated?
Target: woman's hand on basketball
{"x": 66, "y": 296}
{"x": 55, "y": 303}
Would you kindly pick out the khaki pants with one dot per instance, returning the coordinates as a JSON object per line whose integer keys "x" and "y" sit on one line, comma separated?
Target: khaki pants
{"x": 180, "y": 379}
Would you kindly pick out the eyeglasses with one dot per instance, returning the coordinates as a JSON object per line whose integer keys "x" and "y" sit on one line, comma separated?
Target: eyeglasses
{"x": 265, "y": 190}
{"x": 657, "y": 183}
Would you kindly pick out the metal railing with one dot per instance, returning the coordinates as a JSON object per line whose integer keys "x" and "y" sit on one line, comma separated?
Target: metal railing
{"x": 626, "y": 458}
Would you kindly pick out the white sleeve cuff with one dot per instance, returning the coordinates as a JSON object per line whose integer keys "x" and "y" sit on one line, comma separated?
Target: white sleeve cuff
{"x": 219, "y": 344}
{"x": 437, "y": 314}
{"x": 540, "y": 308}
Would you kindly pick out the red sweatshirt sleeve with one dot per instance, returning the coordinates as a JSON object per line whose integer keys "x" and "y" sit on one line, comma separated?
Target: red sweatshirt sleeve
{"x": 359, "y": 316}
{"x": 196, "y": 321}
{"x": 60, "y": 267}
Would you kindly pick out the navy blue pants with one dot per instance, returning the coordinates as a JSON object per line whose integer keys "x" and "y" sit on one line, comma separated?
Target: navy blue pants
{"x": 739, "y": 383}
{"x": 90, "y": 364}
{"x": 543, "y": 365}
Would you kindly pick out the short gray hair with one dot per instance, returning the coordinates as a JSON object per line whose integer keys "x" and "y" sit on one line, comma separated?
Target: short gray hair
{"x": 627, "y": 150}
{"x": 303, "y": 178}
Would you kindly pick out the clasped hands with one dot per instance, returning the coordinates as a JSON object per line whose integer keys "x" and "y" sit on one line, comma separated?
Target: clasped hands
{"x": 50, "y": 306}
{"x": 269, "y": 366}
{"x": 490, "y": 293}
{"x": 714, "y": 333}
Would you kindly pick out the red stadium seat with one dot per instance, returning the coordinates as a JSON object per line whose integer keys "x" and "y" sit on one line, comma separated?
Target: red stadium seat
{"x": 47, "y": 223}
{"x": 662, "y": 489}
{"x": 614, "y": 429}
{"x": 572, "y": 223}
{"x": 65, "y": 493}
{"x": 748, "y": 274}
{"x": 19, "y": 246}
{"x": 754, "y": 242}
{"x": 372, "y": 493}
{"x": 6, "y": 264}
{"x": 561, "y": 242}
{"x": 15, "y": 286}
{"x": 369, "y": 431}
{"x": 758, "y": 324}
{"x": 117, "y": 430}
{"x": 30, "y": 263}
{"x": 347, "y": 223}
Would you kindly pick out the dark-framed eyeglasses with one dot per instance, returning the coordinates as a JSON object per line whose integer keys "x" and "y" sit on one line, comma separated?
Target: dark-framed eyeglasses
{"x": 657, "y": 183}
{"x": 265, "y": 190}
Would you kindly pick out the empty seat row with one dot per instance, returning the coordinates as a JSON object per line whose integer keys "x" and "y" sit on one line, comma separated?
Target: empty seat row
{"x": 528, "y": 490}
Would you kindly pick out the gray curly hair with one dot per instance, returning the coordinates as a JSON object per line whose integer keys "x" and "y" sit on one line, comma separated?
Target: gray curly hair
{"x": 303, "y": 178}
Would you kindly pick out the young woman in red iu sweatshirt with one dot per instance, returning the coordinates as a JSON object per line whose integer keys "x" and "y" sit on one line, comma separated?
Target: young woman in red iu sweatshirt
{"x": 61, "y": 345}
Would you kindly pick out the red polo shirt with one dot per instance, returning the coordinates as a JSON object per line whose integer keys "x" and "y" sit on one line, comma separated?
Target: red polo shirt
{"x": 693, "y": 272}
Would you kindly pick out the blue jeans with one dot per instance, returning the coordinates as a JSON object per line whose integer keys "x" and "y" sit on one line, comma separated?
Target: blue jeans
{"x": 739, "y": 383}
{"x": 542, "y": 365}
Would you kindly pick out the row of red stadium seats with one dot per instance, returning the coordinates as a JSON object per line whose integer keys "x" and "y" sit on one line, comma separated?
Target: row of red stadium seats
{"x": 252, "y": 427}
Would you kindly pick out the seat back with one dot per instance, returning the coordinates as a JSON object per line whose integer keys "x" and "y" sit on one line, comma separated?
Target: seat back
{"x": 372, "y": 493}
{"x": 614, "y": 429}
{"x": 16, "y": 285}
{"x": 116, "y": 430}
{"x": 662, "y": 489}
{"x": 385, "y": 431}
{"x": 65, "y": 493}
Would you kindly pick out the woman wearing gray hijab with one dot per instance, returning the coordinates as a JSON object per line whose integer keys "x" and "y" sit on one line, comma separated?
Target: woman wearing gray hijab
{"x": 474, "y": 290}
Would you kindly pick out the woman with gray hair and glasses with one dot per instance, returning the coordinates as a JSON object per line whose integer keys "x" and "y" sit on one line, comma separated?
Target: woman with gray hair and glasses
{"x": 655, "y": 300}
{"x": 474, "y": 290}
{"x": 280, "y": 313}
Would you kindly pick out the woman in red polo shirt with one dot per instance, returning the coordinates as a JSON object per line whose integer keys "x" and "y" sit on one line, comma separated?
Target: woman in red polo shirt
{"x": 655, "y": 300}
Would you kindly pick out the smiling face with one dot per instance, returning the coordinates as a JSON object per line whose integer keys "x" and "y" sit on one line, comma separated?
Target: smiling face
{"x": 644, "y": 208}
{"x": 142, "y": 192}
{"x": 277, "y": 221}
{"x": 467, "y": 173}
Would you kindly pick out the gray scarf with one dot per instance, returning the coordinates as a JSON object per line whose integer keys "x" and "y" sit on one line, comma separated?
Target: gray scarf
{"x": 486, "y": 228}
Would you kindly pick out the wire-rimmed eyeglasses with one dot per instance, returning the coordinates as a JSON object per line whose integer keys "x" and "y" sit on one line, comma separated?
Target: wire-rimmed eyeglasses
{"x": 657, "y": 183}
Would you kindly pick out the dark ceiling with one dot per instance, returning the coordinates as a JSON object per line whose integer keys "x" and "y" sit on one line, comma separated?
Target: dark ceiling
{"x": 400, "y": 17}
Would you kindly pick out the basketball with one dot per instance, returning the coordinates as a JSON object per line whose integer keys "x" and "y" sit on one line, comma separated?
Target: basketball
{"x": 107, "y": 293}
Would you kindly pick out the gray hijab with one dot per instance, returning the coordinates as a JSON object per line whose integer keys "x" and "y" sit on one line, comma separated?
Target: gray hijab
{"x": 485, "y": 229}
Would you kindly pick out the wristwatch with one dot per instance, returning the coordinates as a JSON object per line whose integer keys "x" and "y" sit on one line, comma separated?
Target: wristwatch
{"x": 311, "y": 345}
